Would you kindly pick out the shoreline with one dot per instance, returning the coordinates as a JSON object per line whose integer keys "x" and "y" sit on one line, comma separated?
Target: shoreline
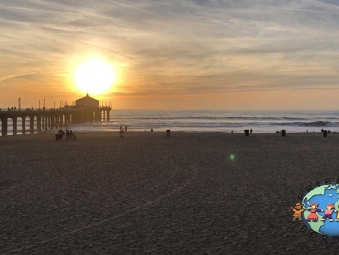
{"x": 164, "y": 132}
{"x": 82, "y": 136}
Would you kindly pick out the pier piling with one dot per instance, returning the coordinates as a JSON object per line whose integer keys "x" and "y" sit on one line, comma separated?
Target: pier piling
{"x": 50, "y": 119}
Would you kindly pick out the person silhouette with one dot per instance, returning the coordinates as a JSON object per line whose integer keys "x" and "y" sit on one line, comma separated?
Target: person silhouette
{"x": 67, "y": 134}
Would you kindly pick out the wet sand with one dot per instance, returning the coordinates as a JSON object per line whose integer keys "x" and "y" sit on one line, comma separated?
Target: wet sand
{"x": 151, "y": 194}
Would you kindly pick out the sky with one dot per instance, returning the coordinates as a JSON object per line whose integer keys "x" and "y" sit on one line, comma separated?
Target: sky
{"x": 174, "y": 54}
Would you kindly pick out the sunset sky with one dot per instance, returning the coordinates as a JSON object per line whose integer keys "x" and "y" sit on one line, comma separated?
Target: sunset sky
{"x": 174, "y": 54}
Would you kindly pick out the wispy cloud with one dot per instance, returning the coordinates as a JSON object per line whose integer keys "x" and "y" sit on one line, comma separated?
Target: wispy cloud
{"x": 179, "y": 47}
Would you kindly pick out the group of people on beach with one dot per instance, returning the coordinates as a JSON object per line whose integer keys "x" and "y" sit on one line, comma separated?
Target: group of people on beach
{"x": 69, "y": 134}
{"x": 313, "y": 216}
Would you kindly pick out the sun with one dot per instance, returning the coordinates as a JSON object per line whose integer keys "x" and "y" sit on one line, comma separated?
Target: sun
{"x": 94, "y": 76}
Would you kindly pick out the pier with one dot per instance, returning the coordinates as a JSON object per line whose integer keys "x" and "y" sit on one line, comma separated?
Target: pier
{"x": 53, "y": 118}
{"x": 86, "y": 110}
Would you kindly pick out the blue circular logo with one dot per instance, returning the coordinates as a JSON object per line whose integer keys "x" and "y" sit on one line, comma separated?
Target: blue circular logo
{"x": 321, "y": 210}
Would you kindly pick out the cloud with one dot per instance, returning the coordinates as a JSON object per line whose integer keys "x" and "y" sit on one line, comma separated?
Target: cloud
{"x": 196, "y": 46}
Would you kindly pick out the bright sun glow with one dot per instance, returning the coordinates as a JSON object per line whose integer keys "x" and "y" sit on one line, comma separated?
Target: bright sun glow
{"x": 94, "y": 76}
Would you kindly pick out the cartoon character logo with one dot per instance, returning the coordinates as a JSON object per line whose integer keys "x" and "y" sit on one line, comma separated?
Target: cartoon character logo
{"x": 328, "y": 212}
{"x": 298, "y": 210}
{"x": 313, "y": 216}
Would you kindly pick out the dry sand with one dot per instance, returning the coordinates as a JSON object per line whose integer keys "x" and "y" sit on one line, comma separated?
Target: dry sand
{"x": 151, "y": 194}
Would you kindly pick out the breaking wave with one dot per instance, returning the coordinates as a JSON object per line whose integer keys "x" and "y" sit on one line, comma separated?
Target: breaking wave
{"x": 310, "y": 124}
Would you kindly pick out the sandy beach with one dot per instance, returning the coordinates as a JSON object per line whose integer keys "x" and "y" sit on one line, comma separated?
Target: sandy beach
{"x": 151, "y": 194}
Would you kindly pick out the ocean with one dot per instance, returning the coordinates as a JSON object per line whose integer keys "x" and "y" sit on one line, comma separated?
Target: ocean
{"x": 210, "y": 121}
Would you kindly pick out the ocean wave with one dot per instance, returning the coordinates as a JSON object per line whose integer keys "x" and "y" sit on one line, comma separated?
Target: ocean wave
{"x": 211, "y": 118}
{"x": 187, "y": 124}
{"x": 192, "y": 123}
{"x": 309, "y": 124}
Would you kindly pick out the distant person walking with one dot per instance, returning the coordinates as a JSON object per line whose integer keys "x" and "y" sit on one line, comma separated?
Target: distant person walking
{"x": 126, "y": 128}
